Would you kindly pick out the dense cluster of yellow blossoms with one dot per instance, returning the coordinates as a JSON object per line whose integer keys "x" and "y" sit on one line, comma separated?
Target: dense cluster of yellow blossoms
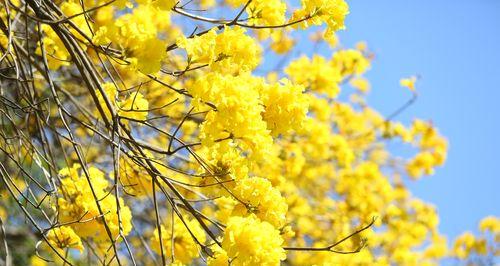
{"x": 90, "y": 218}
{"x": 231, "y": 51}
{"x": 249, "y": 241}
{"x": 207, "y": 157}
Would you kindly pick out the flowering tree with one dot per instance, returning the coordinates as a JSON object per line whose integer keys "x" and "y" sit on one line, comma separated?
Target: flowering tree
{"x": 150, "y": 132}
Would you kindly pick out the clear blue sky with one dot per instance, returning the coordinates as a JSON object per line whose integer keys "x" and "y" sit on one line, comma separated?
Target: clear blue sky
{"x": 455, "y": 46}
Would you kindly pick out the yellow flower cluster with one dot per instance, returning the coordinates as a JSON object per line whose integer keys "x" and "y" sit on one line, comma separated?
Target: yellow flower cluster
{"x": 285, "y": 106}
{"x": 247, "y": 110}
{"x": 266, "y": 12}
{"x": 315, "y": 74}
{"x": 490, "y": 224}
{"x": 324, "y": 76}
{"x": 138, "y": 34}
{"x": 261, "y": 198}
{"x": 238, "y": 111}
{"x": 350, "y": 62}
{"x": 231, "y": 51}
{"x": 433, "y": 148}
{"x": 228, "y": 162}
{"x": 249, "y": 241}
{"x": 365, "y": 178}
{"x": 56, "y": 52}
{"x": 409, "y": 83}
{"x": 330, "y": 12}
{"x": 397, "y": 129}
{"x": 78, "y": 206}
{"x": 64, "y": 237}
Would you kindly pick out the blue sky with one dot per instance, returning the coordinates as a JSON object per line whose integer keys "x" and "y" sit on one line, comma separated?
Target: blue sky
{"x": 454, "y": 45}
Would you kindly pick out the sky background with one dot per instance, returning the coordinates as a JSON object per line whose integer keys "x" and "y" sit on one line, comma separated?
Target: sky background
{"x": 454, "y": 46}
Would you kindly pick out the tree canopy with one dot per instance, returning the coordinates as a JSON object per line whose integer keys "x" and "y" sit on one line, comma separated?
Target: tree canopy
{"x": 155, "y": 132}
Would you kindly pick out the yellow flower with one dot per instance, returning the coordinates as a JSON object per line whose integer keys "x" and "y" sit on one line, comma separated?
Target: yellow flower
{"x": 248, "y": 241}
{"x": 463, "y": 245}
{"x": 55, "y": 50}
{"x": 266, "y": 12}
{"x": 330, "y": 12}
{"x": 138, "y": 34}
{"x": 77, "y": 203}
{"x": 408, "y": 82}
{"x": 231, "y": 51}
{"x": 263, "y": 200}
{"x": 64, "y": 237}
{"x": 285, "y": 106}
{"x": 491, "y": 224}
{"x": 150, "y": 56}
{"x": 238, "y": 112}
{"x": 219, "y": 257}
{"x": 361, "y": 84}
{"x": 315, "y": 74}
{"x": 350, "y": 62}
